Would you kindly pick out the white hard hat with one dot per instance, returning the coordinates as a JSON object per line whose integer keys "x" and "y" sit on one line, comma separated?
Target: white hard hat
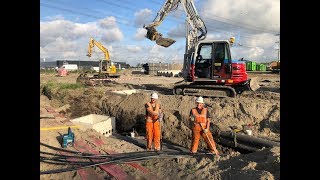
{"x": 199, "y": 100}
{"x": 154, "y": 96}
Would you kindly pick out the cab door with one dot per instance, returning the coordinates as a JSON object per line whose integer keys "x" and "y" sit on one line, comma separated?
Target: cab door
{"x": 221, "y": 58}
{"x": 203, "y": 62}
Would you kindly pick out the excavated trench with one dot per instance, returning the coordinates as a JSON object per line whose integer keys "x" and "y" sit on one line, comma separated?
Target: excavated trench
{"x": 261, "y": 110}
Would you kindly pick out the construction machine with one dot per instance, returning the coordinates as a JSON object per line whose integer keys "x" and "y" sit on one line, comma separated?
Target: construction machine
{"x": 275, "y": 66}
{"x": 106, "y": 68}
{"x": 208, "y": 69}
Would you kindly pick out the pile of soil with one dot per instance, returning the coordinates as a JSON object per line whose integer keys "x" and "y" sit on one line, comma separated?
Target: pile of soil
{"x": 264, "y": 164}
{"x": 262, "y": 113}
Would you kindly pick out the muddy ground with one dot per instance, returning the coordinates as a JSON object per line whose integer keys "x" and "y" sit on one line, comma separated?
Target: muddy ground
{"x": 260, "y": 109}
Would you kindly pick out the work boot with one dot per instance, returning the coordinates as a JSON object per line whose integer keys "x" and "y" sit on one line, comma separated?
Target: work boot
{"x": 193, "y": 153}
{"x": 215, "y": 156}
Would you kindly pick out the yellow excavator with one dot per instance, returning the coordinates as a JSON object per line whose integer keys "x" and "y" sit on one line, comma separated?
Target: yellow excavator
{"x": 106, "y": 68}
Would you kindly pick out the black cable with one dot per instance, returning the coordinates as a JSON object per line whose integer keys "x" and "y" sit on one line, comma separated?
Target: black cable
{"x": 123, "y": 160}
{"x": 61, "y": 149}
{"x": 126, "y": 159}
{"x": 92, "y": 155}
{"x": 66, "y": 162}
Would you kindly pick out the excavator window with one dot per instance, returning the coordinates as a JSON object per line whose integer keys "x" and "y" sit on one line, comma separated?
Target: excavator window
{"x": 203, "y": 61}
{"x": 219, "y": 54}
{"x": 213, "y": 60}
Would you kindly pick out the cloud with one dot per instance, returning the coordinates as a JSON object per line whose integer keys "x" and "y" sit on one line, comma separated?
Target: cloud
{"x": 108, "y": 22}
{"x": 143, "y": 17}
{"x": 261, "y": 40}
{"x": 255, "y": 52}
{"x": 56, "y": 17}
{"x": 51, "y": 30}
{"x": 134, "y": 49}
{"x": 253, "y": 14}
{"x": 140, "y": 34}
{"x": 178, "y": 31}
{"x": 112, "y": 35}
{"x": 213, "y": 36}
{"x": 66, "y": 39}
{"x": 61, "y": 48}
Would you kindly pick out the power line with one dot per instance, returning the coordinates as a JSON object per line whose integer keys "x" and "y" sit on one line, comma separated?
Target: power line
{"x": 119, "y": 6}
{"x": 80, "y": 13}
{"x": 93, "y": 16}
{"x": 234, "y": 24}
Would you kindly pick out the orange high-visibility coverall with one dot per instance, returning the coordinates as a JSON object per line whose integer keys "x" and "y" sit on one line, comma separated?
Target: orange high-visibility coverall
{"x": 197, "y": 131}
{"x": 153, "y": 128}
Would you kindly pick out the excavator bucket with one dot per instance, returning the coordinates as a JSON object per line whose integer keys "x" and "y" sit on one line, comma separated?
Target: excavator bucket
{"x": 253, "y": 84}
{"x": 165, "y": 42}
{"x": 153, "y": 35}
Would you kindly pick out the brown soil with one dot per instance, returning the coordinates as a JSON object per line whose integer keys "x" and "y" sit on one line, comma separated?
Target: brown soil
{"x": 260, "y": 108}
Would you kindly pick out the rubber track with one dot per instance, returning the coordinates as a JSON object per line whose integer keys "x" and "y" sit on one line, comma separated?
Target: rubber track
{"x": 207, "y": 87}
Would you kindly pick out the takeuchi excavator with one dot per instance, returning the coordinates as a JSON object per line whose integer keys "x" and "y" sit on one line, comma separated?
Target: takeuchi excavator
{"x": 208, "y": 69}
{"x": 106, "y": 68}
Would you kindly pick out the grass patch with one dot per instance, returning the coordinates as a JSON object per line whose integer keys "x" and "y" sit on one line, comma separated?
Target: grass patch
{"x": 52, "y": 88}
{"x": 70, "y": 85}
{"x": 55, "y": 85}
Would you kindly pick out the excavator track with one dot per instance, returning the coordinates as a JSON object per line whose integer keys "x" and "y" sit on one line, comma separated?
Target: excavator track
{"x": 95, "y": 79}
{"x": 204, "y": 90}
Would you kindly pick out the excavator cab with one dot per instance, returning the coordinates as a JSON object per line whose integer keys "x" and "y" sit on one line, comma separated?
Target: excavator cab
{"x": 213, "y": 61}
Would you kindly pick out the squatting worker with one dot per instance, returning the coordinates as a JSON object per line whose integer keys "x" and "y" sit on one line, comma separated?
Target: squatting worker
{"x": 153, "y": 110}
{"x": 200, "y": 120}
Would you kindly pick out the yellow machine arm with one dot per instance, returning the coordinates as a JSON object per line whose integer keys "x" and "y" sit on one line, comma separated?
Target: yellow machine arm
{"x": 92, "y": 43}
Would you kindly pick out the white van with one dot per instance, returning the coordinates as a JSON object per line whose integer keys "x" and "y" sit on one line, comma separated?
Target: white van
{"x": 70, "y": 67}
{"x": 95, "y": 69}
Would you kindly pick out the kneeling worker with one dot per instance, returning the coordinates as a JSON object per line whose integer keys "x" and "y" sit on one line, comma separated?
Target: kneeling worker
{"x": 200, "y": 118}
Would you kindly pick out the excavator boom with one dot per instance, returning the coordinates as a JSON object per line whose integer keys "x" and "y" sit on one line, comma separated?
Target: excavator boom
{"x": 196, "y": 24}
{"x": 93, "y": 43}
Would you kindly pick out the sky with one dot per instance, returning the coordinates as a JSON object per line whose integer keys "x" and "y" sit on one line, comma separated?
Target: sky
{"x": 67, "y": 25}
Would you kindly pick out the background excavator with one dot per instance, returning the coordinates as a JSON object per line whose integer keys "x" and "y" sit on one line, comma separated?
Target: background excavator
{"x": 106, "y": 68}
{"x": 208, "y": 69}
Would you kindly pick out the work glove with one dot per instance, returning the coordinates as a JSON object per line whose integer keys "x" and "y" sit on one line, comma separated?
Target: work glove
{"x": 160, "y": 116}
{"x": 192, "y": 118}
{"x": 206, "y": 131}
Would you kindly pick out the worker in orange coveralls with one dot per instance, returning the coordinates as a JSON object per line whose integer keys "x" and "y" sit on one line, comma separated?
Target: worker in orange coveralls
{"x": 200, "y": 116}
{"x": 153, "y": 118}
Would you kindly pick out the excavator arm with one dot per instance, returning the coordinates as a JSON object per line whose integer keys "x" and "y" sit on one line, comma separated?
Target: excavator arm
{"x": 93, "y": 43}
{"x": 195, "y": 22}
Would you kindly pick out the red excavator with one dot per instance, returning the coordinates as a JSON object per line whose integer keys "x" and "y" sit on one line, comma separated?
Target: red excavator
{"x": 208, "y": 69}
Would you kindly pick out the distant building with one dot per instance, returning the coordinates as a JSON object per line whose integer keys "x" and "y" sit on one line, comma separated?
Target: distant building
{"x": 153, "y": 68}
{"x": 50, "y": 64}
{"x": 121, "y": 65}
{"x": 81, "y": 64}
{"x": 89, "y": 64}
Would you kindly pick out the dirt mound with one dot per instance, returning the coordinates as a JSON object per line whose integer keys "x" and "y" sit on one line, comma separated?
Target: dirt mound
{"x": 262, "y": 113}
{"x": 264, "y": 164}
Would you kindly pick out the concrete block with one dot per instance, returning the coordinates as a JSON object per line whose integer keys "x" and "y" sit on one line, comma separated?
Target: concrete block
{"x": 105, "y": 125}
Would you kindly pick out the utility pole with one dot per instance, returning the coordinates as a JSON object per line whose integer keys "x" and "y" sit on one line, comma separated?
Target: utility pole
{"x": 278, "y": 47}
